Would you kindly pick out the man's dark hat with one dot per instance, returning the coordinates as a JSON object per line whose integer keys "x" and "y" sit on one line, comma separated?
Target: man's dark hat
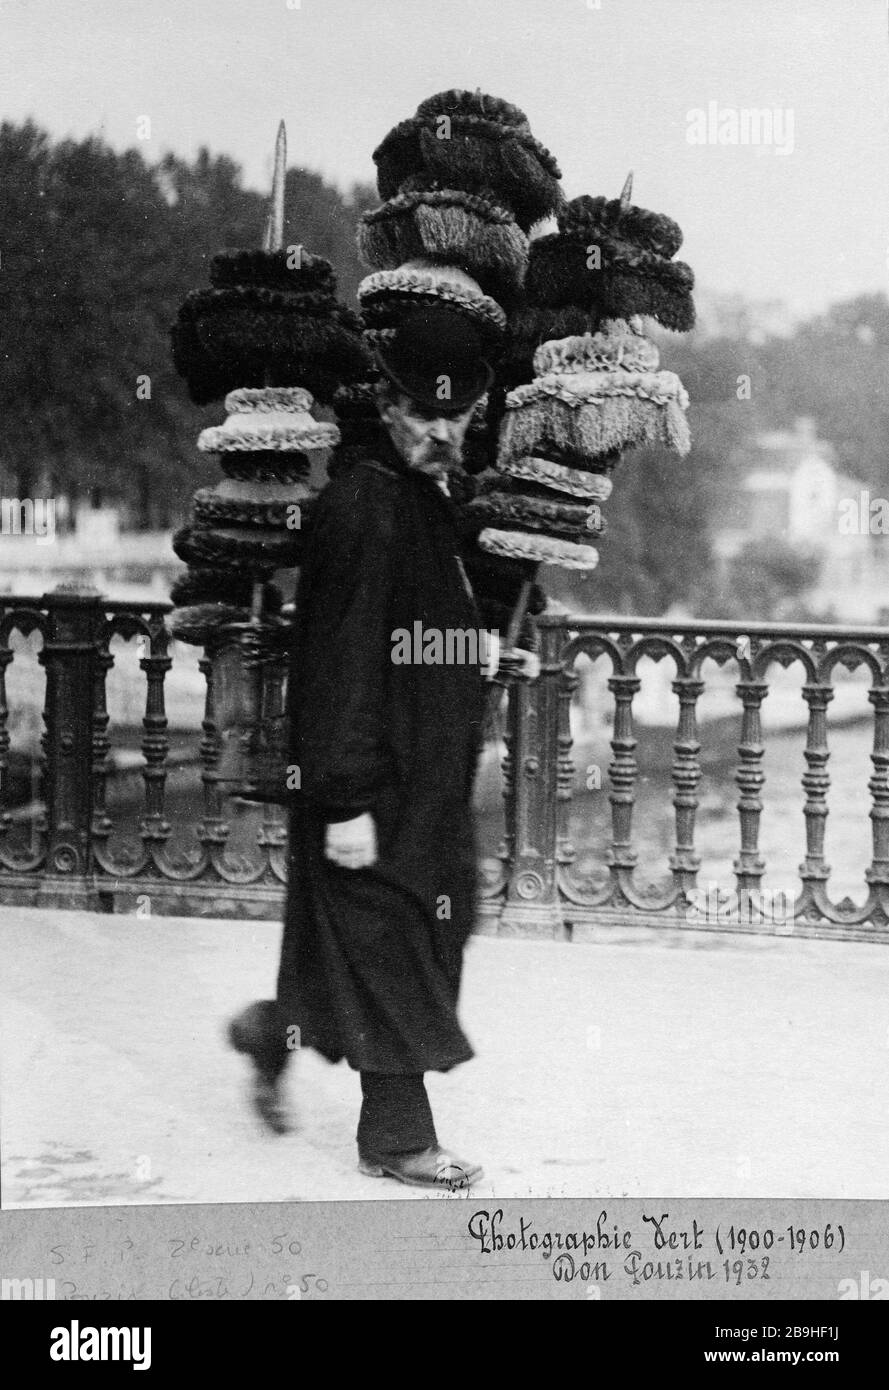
{"x": 437, "y": 358}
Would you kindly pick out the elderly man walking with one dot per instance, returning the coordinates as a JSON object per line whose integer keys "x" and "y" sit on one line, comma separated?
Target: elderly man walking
{"x": 382, "y": 867}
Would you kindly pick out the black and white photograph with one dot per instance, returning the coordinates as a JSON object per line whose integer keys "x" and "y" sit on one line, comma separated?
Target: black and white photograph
{"x": 444, "y": 628}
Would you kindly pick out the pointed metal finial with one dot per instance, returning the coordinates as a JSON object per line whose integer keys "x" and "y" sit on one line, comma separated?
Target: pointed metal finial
{"x": 626, "y": 192}
{"x": 273, "y": 238}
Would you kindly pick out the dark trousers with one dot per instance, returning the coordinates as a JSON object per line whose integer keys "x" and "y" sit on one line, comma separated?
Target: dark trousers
{"x": 395, "y": 1114}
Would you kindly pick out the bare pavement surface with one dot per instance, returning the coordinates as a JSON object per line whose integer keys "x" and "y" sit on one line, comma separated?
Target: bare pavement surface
{"x": 669, "y": 1063}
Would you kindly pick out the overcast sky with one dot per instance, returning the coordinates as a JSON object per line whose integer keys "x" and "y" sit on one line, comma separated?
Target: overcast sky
{"x": 607, "y": 84}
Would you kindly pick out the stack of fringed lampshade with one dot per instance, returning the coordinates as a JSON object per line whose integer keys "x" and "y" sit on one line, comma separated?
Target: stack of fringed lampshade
{"x": 269, "y": 337}
{"x": 464, "y": 181}
{"x": 585, "y": 380}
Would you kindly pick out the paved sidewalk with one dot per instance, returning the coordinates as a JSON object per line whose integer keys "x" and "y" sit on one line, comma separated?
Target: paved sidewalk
{"x": 675, "y": 1065}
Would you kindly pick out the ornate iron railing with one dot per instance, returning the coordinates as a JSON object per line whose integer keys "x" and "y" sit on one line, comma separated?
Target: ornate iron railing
{"x": 73, "y": 858}
{"x": 76, "y": 854}
{"x": 543, "y": 888}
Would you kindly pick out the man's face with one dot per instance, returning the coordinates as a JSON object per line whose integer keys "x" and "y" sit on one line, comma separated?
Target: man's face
{"x": 425, "y": 439}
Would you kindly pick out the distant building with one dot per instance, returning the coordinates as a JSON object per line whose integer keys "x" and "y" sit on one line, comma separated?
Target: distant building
{"x": 789, "y": 489}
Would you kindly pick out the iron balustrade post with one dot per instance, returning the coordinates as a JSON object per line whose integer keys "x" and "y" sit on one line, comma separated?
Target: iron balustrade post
{"x": 155, "y": 828}
{"x": 70, "y": 657}
{"x": 816, "y": 783}
{"x": 686, "y": 773}
{"x": 623, "y": 772}
{"x": 877, "y": 875}
{"x": 566, "y": 852}
{"x": 102, "y": 826}
{"x": 532, "y": 899}
{"x": 749, "y": 865}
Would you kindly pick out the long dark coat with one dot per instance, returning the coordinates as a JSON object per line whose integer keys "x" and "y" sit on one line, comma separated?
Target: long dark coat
{"x": 371, "y": 958}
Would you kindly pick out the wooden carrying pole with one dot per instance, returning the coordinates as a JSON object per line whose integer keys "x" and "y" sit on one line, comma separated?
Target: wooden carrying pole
{"x": 626, "y": 192}
{"x": 273, "y": 238}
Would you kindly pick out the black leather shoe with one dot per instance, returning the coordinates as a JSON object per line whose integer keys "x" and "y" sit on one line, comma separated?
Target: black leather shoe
{"x": 432, "y": 1167}
{"x": 268, "y": 1070}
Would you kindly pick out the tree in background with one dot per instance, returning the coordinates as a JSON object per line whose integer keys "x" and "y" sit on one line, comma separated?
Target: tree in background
{"x": 97, "y": 249}
{"x": 767, "y": 581}
{"x": 835, "y": 368}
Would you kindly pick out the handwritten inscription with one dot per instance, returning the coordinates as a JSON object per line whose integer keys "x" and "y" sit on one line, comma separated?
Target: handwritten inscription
{"x": 658, "y": 1252}
{"x": 239, "y": 1269}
